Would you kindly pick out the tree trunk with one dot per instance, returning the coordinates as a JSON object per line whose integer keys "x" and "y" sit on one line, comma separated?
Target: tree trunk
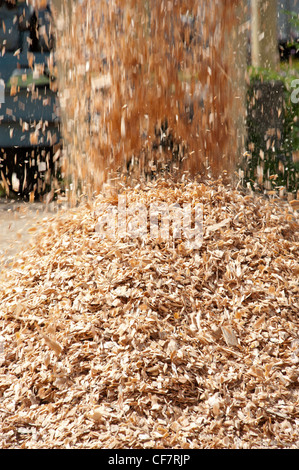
{"x": 264, "y": 46}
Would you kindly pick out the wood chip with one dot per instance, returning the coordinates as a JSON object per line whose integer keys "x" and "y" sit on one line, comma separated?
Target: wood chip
{"x": 131, "y": 343}
{"x": 57, "y": 348}
{"x": 229, "y": 336}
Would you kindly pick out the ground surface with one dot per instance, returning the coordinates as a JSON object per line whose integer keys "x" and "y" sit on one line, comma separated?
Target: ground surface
{"x": 18, "y": 221}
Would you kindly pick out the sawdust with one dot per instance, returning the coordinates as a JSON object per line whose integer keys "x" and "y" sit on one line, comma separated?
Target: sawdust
{"x": 125, "y": 343}
{"x": 151, "y": 86}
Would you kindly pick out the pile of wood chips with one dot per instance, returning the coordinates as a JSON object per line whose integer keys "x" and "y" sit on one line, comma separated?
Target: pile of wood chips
{"x": 126, "y": 344}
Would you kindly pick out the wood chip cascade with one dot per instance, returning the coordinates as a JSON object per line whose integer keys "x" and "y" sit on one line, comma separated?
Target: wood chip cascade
{"x": 126, "y": 344}
{"x": 126, "y": 68}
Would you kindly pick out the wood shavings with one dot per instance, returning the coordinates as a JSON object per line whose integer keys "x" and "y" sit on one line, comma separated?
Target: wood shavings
{"x": 214, "y": 227}
{"x": 131, "y": 343}
{"x": 57, "y": 348}
{"x": 229, "y": 336}
{"x": 133, "y": 98}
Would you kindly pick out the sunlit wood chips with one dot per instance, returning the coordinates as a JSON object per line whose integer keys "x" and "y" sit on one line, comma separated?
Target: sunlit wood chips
{"x": 131, "y": 343}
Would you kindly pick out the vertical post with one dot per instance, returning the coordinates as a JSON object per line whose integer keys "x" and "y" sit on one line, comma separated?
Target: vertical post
{"x": 264, "y": 46}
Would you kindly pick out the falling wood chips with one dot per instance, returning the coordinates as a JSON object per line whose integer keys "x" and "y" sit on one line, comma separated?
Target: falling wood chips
{"x": 122, "y": 343}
